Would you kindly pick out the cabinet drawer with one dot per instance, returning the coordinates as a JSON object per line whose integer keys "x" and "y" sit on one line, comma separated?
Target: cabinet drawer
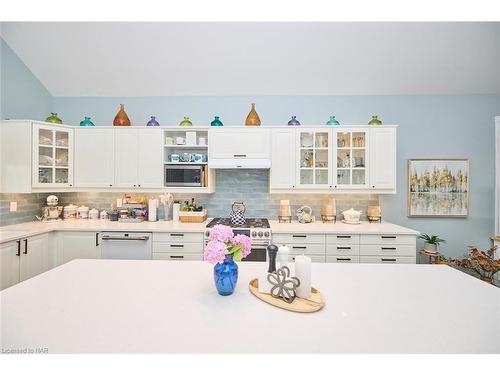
{"x": 314, "y": 258}
{"x": 342, "y": 259}
{"x": 342, "y": 239}
{"x": 387, "y": 260}
{"x": 283, "y": 238}
{"x": 164, "y": 256}
{"x": 383, "y": 250}
{"x": 342, "y": 249}
{"x": 385, "y": 239}
{"x": 178, "y": 237}
{"x": 306, "y": 249}
{"x": 169, "y": 247}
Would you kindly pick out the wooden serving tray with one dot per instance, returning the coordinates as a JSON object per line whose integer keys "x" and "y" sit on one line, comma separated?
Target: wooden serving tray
{"x": 314, "y": 303}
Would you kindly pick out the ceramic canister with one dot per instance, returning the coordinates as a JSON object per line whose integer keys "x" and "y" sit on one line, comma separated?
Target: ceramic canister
{"x": 70, "y": 211}
{"x": 94, "y": 214}
{"x": 82, "y": 212}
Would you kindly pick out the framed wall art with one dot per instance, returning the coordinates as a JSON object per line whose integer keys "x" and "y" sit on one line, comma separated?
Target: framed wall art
{"x": 438, "y": 187}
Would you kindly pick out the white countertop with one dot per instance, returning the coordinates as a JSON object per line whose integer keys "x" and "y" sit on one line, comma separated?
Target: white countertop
{"x": 16, "y": 231}
{"x": 173, "y": 307}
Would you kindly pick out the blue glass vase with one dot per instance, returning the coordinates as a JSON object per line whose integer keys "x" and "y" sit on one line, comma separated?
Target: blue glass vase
{"x": 216, "y": 122}
{"x": 294, "y": 121}
{"x": 226, "y": 276}
{"x": 153, "y": 122}
{"x": 332, "y": 121}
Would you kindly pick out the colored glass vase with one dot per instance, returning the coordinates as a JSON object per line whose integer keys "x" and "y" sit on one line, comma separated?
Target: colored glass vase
{"x": 53, "y": 118}
{"x": 121, "y": 118}
{"x": 253, "y": 118}
{"x": 332, "y": 121}
{"x": 216, "y": 122}
{"x": 86, "y": 122}
{"x": 186, "y": 122}
{"x": 226, "y": 276}
{"x": 375, "y": 121}
{"x": 153, "y": 122}
{"x": 293, "y": 121}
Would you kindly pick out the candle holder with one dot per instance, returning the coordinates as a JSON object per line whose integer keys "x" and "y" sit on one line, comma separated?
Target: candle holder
{"x": 284, "y": 219}
{"x": 374, "y": 214}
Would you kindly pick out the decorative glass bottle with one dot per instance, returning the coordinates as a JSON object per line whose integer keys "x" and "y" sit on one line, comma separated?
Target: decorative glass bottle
{"x": 375, "y": 121}
{"x": 86, "y": 122}
{"x": 53, "y": 118}
{"x": 293, "y": 121}
{"x": 226, "y": 276}
{"x": 121, "y": 118}
{"x": 153, "y": 122}
{"x": 332, "y": 121}
{"x": 186, "y": 122}
{"x": 252, "y": 118}
{"x": 216, "y": 122}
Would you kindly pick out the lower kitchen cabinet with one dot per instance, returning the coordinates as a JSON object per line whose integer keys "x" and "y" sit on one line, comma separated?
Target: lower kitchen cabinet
{"x": 78, "y": 245}
{"x": 23, "y": 259}
{"x": 178, "y": 246}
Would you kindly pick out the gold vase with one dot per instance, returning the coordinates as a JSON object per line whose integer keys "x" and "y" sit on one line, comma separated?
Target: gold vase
{"x": 252, "y": 118}
{"x": 121, "y": 118}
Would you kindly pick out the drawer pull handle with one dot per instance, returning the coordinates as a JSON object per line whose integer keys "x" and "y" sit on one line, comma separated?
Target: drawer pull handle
{"x": 388, "y": 259}
{"x": 176, "y": 256}
{"x": 343, "y": 236}
{"x": 176, "y": 245}
{"x": 387, "y": 237}
{"x": 299, "y": 247}
{"x": 343, "y": 248}
{"x": 299, "y": 236}
{"x": 18, "y": 248}
{"x": 388, "y": 248}
{"x": 176, "y": 234}
{"x": 25, "y": 246}
{"x": 344, "y": 259}
{"x": 240, "y": 155}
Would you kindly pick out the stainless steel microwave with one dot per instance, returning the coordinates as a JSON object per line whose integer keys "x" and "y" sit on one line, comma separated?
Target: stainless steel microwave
{"x": 183, "y": 175}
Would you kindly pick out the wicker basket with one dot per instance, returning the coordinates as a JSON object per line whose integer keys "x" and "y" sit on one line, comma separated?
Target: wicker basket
{"x": 193, "y": 216}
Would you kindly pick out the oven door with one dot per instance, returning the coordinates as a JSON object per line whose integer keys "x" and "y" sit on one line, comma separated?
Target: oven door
{"x": 258, "y": 254}
{"x": 183, "y": 175}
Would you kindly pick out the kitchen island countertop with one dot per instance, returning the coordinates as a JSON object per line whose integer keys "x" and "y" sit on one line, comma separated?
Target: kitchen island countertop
{"x": 147, "y": 306}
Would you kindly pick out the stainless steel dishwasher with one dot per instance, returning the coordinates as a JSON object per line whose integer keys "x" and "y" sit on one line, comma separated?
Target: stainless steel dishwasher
{"x": 126, "y": 245}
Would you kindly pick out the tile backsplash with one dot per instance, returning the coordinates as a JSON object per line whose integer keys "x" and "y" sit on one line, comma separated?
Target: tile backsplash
{"x": 250, "y": 186}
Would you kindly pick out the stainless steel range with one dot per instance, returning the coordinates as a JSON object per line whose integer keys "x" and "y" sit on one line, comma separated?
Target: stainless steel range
{"x": 257, "y": 229}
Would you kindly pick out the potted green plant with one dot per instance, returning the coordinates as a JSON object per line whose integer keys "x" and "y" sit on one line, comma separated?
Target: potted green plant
{"x": 431, "y": 242}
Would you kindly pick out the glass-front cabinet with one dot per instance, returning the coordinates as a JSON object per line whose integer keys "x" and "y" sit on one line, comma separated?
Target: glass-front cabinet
{"x": 350, "y": 157}
{"x": 314, "y": 155}
{"x": 52, "y": 156}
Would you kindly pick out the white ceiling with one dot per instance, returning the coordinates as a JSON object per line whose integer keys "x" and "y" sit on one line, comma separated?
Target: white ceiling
{"x": 161, "y": 59}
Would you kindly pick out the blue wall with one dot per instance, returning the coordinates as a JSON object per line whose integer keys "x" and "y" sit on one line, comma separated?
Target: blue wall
{"x": 22, "y": 95}
{"x": 429, "y": 126}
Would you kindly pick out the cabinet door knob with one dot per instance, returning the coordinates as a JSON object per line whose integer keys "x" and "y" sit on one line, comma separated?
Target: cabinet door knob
{"x": 110, "y": 185}
{"x": 134, "y": 185}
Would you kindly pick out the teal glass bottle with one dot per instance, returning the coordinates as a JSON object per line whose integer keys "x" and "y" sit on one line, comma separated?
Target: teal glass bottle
{"x": 375, "y": 121}
{"x": 332, "y": 121}
{"x": 86, "y": 122}
{"x": 186, "y": 122}
{"x": 216, "y": 122}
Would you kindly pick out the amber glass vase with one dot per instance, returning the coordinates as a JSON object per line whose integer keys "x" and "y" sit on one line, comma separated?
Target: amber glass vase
{"x": 252, "y": 118}
{"x": 121, "y": 118}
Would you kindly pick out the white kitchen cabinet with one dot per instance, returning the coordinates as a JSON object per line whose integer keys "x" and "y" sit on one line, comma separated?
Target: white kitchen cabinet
{"x": 239, "y": 143}
{"x": 23, "y": 259}
{"x": 78, "y": 245}
{"x": 94, "y": 157}
{"x": 52, "y": 156}
{"x": 126, "y": 157}
{"x": 351, "y": 158}
{"x": 313, "y": 159}
{"x": 282, "y": 174}
{"x": 383, "y": 158}
{"x": 178, "y": 246}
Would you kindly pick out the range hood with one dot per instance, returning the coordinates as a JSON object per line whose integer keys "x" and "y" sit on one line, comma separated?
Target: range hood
{"x": 239, "y": 163}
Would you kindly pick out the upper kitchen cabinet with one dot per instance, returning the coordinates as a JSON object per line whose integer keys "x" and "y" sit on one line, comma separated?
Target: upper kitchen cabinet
{"x": 94, "y": 157}
{"x": 35, "y": 156}
{"x": 282, "y": 174}
{"x": 138, "y": 158}
{"x": 383, "y": 159}
{"x": 313, "y": 155}
{"x": 239, "y": 147}
{"x": 351, "y": 158}
{"x": 52, "y": 156}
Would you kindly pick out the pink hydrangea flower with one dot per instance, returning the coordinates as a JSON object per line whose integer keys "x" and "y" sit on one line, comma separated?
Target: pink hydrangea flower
{"x": 215, "y": 252}
{"x": 245, "y": 242}
{"x": 221, "y": 233}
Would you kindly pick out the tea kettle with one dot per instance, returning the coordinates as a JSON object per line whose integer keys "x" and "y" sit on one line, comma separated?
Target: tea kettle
{"x": 237, "y": 214}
